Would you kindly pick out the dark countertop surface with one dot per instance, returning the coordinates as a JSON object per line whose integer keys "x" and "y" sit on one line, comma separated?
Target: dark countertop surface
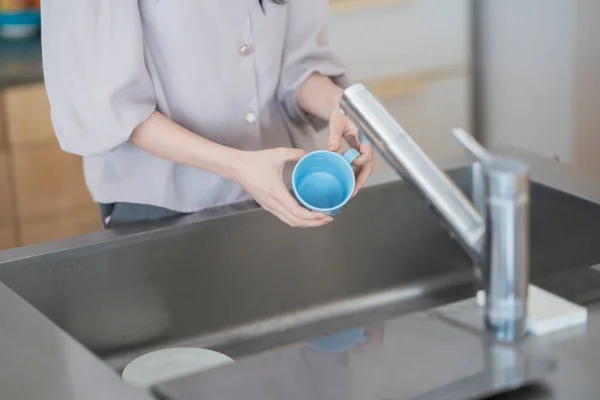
{"x": 20, "y": 62}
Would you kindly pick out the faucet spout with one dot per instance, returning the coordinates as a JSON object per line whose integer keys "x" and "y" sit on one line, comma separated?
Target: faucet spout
{"x": 494, "y": 231}
{"x": 396, "y": 146}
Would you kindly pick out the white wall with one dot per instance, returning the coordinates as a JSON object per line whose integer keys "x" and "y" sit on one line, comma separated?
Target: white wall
{"x": 528, "y": 60}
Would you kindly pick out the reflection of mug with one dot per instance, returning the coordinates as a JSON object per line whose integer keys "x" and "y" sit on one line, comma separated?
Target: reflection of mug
{"x": 324, "y": 181}
{"x": 338, "y": 342}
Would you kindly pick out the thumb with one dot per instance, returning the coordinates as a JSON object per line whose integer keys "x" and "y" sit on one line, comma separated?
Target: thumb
{"x": 336, "y": 131}
{"x": 290, "y": 155}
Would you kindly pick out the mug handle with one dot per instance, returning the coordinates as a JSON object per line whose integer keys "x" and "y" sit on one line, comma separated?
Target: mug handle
{"x": 351, "y": 155}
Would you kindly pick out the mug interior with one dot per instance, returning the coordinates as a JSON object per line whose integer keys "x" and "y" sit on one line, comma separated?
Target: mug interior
{"x": 324, "y": 180}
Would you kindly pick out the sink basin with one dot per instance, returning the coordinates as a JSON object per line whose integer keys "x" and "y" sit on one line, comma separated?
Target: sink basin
{"x": 244, "y": 283}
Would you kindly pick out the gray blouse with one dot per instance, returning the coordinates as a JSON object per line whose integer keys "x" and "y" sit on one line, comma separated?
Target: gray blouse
{"x": 222, "y": 69}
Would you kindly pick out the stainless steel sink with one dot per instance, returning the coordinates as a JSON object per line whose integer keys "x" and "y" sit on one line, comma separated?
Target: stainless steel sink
{"x": 244, "y": 282}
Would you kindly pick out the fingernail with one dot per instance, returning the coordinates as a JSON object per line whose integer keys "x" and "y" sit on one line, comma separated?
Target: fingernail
{"x": 331, "y": 147}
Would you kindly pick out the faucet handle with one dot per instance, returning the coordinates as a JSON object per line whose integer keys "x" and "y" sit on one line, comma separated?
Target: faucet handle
{"x": 472, "y": 145}
{"x": 501, "y": 176}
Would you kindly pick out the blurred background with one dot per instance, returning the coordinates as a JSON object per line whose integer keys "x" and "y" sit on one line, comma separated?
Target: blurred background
{"x": 523, "y": 73}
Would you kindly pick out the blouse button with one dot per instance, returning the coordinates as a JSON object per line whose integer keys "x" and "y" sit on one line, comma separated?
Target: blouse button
{"x": 246, "y": 49}
{"x": 251, "y": 118}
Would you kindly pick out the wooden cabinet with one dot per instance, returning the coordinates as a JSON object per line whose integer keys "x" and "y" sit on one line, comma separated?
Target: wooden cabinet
{"x": 48, "y": 180}
{"x": 43, "y": 195}
{"x": 27, "y": 113}
{"x": 3, "y": 140}
{"x": 7, "y": 237}
{"x": 76, "y": 221}
{"x": 6, "y": 206}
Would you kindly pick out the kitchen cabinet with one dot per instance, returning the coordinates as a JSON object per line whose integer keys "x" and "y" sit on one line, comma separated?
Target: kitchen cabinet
{"x": 27, "y": 112}
{"x": 6, "y": 206}
{"x": 7, "y": 237}
{"x": 48, "y": 180}
{"x": 2, "y": 127}
{"x": 75, "y": 221}
{"x": 43, "y": 195}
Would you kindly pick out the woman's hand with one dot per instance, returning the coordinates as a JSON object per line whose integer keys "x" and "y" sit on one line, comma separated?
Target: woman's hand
{"x": 319, "y": 96}
{"x": 260, "y": 174}
{"x": 340, "y": 127}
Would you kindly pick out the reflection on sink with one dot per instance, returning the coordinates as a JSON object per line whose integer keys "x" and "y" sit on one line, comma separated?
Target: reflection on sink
{"x": 416, "y": 357}
{"x": 245, "y": 283}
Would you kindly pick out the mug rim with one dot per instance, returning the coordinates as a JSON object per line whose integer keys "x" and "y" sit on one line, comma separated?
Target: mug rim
{"x": 305, "y": 203}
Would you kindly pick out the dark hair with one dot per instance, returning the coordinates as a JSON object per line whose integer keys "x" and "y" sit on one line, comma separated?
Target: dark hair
{"x": 272, "y": 1}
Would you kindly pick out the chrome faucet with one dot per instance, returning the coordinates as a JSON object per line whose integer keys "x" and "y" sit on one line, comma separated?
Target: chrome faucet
{"x": 494, "y": 231}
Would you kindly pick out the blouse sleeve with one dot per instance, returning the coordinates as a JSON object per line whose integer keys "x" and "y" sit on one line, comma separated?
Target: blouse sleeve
{"x": 307, "y": 52}
{"x": 95, "y": 74}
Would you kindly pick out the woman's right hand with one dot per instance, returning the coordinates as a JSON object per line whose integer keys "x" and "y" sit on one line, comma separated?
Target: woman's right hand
{"x": 260, "y": 173}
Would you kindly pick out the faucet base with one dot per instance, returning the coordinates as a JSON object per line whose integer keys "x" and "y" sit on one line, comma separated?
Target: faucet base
{"x": 547, "y": 312}
{"x": 506, "y": 319}
{"x": 508, "y": 332}
{"x": 470, "y": 315}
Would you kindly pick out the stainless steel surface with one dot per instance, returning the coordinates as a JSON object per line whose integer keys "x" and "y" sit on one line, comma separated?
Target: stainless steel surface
{"x": 416, "y": 357}
{"x": 472, "y": 145}
{"x": 497, "y": 238}
{"x": 119, "y": 292}
{"x": 39, "y": 361}
{"x": 406, "y": 157}
{"x": 120, "y": 297}
{"x": 503, "y": 188}
{"x": 506, "y": 267}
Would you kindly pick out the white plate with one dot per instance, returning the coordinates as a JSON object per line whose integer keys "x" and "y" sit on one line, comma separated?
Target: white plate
{"x": 163, "y": 365}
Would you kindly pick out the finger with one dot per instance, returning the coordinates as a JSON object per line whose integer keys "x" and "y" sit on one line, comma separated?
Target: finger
{"x": 296, "y": 210}
{"x": 299, "y": 222}
{"x": 300, "y": 216}
{"x": 302, "y": 223}
{"x": 276, "y": 212}
{"x": 337, "y": 129}
{"x": 279, "y": 212}
{"x": 310, "y": 223}
{"x": 291, "y": 155}
{"x": 362, "y": 177}
{"x": 366, "y": 155}
{"x": 283, "y": 218}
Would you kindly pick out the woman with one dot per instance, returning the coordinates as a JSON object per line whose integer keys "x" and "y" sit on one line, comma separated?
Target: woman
{"x": 181, "y": 105}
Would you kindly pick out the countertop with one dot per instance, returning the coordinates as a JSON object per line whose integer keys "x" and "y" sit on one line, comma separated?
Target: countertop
{"x": 20, "y": 62}
{"x": 428, "y": 355}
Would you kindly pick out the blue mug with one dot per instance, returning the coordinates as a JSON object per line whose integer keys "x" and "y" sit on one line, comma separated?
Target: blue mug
{"x": 323, "y": 181}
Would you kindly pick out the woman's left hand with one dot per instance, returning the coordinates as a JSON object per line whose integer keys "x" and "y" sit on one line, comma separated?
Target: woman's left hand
{"x": 340, "y": 127}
